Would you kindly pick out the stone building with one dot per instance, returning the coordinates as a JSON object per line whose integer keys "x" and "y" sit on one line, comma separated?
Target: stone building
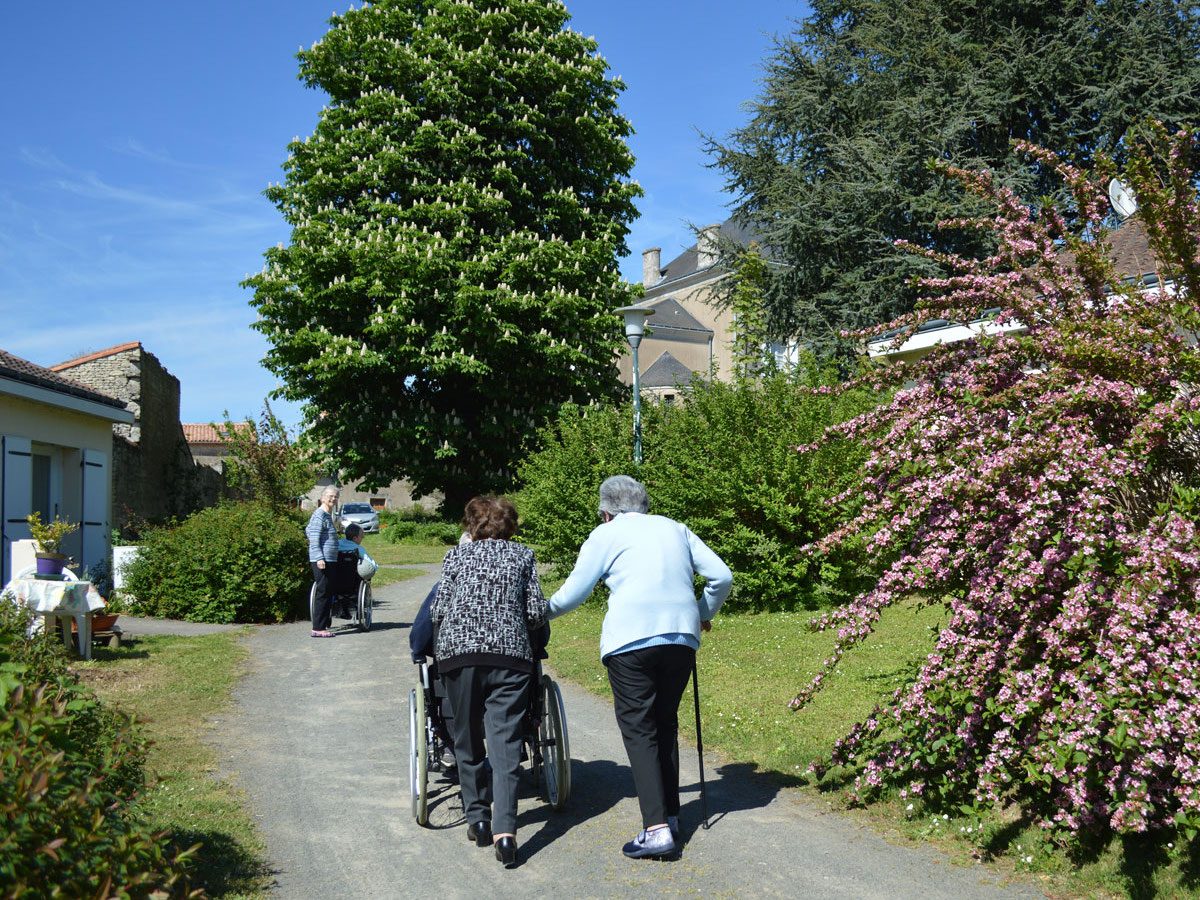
{"x": 688, "y": 332}
{"x": 205, "y": 442}
{"x": 397, "y": 495}
{"x": 154, "y": 475}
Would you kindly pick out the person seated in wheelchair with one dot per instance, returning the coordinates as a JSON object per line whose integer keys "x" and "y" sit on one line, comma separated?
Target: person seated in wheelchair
{"x": 351, "y": 542}
{"x": 352, "y": 557}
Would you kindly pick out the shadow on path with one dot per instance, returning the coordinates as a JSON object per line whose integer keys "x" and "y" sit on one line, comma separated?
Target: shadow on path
{"x": 596, "y": 786}
{"x": 738, "y": 786}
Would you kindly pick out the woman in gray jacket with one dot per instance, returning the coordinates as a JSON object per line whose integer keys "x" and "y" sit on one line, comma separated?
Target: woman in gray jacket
{"x": 322, "y": 554}
{"x": 488, "y": 601}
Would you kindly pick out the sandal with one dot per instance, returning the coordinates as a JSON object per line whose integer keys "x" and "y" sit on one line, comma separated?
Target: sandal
{"x": 322, "y": 634}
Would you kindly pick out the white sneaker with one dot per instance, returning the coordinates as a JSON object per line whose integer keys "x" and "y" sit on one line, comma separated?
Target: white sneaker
{"x": 650, "y": 843}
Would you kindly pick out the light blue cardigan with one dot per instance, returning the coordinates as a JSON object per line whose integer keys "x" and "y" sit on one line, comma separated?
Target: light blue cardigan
{"x": 648, "y": 563}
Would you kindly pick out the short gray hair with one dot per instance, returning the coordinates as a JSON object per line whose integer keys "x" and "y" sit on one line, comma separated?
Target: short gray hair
{"x": 330, "y": 489}
{"x": 620, "y": 494}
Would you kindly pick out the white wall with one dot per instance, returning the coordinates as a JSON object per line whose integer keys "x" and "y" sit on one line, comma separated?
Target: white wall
{"x": 65, "y": 435}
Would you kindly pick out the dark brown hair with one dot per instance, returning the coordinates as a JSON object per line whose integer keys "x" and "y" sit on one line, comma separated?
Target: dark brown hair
{"x": 490, "y": 517}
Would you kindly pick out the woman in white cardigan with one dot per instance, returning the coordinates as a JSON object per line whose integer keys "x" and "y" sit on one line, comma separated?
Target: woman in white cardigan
{"x": 649, "y": 639}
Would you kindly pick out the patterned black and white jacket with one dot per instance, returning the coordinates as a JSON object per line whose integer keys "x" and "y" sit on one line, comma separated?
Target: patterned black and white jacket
{"x": 488, "y": 601}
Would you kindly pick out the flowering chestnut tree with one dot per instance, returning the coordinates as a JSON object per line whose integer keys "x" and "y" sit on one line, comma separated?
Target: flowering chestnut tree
{"x": 1042, "y": 486}
{"x": 456, "y": 221}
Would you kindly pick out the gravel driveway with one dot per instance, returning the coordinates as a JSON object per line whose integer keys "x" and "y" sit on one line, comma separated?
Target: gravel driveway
{"x": 319, "y": 741}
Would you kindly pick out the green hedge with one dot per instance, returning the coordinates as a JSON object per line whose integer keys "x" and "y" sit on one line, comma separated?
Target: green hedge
{"x": 417, "y": 525}
{"x": 238, "y": 562}
{"x": 73, "y": 770}
{"x": 722, "y": 462}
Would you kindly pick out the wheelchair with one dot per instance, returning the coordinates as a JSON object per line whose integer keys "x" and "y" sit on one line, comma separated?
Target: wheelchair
{"x": 345, "y": 583}
{"x": 544, "y": 734}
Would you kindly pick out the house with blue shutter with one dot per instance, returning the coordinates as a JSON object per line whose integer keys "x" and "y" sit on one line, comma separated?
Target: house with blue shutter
{"x": 56, "y": 444}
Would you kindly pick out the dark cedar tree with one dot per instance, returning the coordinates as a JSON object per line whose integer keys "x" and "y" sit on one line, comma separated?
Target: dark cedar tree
{"x": 833, "y": 165}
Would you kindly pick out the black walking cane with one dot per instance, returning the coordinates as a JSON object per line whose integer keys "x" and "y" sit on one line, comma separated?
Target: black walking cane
{"x": 699, "y": 744}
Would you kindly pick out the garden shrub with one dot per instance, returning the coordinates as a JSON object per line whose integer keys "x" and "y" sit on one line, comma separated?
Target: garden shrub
{"x": 723, "y": 463}
{"x": 238, "y": 562}
{"x": 1043, "y": 488}
{"x": 73, "y": 770}
{"x": 418, "y": 525}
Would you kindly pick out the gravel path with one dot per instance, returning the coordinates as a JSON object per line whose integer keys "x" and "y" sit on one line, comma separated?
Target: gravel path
{"x": 132, "y": 626}
{"x": 319, "y": 740}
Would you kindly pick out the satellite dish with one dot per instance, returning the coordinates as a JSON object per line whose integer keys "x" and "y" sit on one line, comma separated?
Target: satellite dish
{"x": 1122, "y": 198}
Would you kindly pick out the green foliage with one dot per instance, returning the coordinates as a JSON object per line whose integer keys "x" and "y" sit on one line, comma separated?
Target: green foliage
{"x": 832, "y": 167}
{"x": 49, "y": 535}
{"x": 73, "y": 768}
{"x": 265, "y": 463}
{"x": 723, "y": 462}
{"x": 418, "y": 525}
{"x": 751, "y": 334}
{"x": 238, "y": 562}
{"x": 455, "y": 220}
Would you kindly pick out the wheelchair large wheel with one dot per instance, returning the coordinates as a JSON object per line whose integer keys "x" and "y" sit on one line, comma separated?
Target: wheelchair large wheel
{"x": 418, "y": 756}
{"x": 312, "y": 606}
{"x": 556, "y": 761}
{"x": 365, "y": 604}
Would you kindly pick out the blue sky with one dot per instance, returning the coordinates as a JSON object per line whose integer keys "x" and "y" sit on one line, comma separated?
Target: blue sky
{"x": 138, "y": 137}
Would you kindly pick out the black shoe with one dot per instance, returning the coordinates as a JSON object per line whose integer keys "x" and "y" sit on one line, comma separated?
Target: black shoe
{"x": 480, "y": 833}
{"x": 506, "y": 852}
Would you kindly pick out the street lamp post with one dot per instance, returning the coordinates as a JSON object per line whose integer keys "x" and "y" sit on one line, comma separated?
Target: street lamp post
{"x": 635, "y": 326}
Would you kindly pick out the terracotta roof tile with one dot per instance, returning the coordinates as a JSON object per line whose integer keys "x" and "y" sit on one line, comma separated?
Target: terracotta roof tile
{"x": 99, "y": 354}
{"x": 206, "y": 432}
{"x": 31, "y": 373}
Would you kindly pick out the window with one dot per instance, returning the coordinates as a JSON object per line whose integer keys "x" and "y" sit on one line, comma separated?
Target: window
{"x": 41, "y": 488}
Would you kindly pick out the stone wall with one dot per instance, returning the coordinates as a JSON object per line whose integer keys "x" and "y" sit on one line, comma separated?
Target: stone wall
{"x": 397, "y": 495}
{"x": 154, "y": 476}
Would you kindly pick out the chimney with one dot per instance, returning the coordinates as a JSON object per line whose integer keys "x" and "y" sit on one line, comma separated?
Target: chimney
{"x": 651, "y": 266}
{"x": 706, "y": 246}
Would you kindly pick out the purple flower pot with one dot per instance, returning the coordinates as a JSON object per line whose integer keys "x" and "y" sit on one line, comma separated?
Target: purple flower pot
{"x": 50, "y": 563}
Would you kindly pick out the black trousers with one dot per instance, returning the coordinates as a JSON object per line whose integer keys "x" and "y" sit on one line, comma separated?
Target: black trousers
{"x": 489, "y": 703}
{"x": 647, "y": 686}
{"x": 321, "y": 615}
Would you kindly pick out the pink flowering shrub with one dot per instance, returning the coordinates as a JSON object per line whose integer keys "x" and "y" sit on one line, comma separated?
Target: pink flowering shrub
{"x": 1042, "y": 486}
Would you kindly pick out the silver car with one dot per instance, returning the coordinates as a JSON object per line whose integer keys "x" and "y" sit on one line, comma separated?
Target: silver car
{"x": 361, "y": 514}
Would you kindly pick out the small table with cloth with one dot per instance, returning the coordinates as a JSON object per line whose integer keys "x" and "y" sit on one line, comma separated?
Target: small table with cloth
{"x": 65, "y": 600}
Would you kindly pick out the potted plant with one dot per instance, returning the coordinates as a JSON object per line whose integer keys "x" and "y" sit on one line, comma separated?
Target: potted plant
{"x": 49, "y": 536}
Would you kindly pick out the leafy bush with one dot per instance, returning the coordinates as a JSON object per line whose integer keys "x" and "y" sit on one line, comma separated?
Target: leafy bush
{"x": 722, "y": 462}
{"x": 409, "y": 532}
{"x": 418, "y": 525}
{"x": 1043, "y": 487}
{"x": 238, "y": 562}
{"x": 73, "y": 769}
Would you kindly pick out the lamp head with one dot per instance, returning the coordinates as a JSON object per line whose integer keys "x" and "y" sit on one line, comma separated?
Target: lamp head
{"x": 635, "y": 323}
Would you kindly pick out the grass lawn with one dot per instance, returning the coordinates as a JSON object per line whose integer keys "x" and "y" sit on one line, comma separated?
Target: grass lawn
{"x": 750, "y": 667}
{"x": 174, "y": 685}
{"x": 388, "y": 554}
{"x": 391, "y": 575}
